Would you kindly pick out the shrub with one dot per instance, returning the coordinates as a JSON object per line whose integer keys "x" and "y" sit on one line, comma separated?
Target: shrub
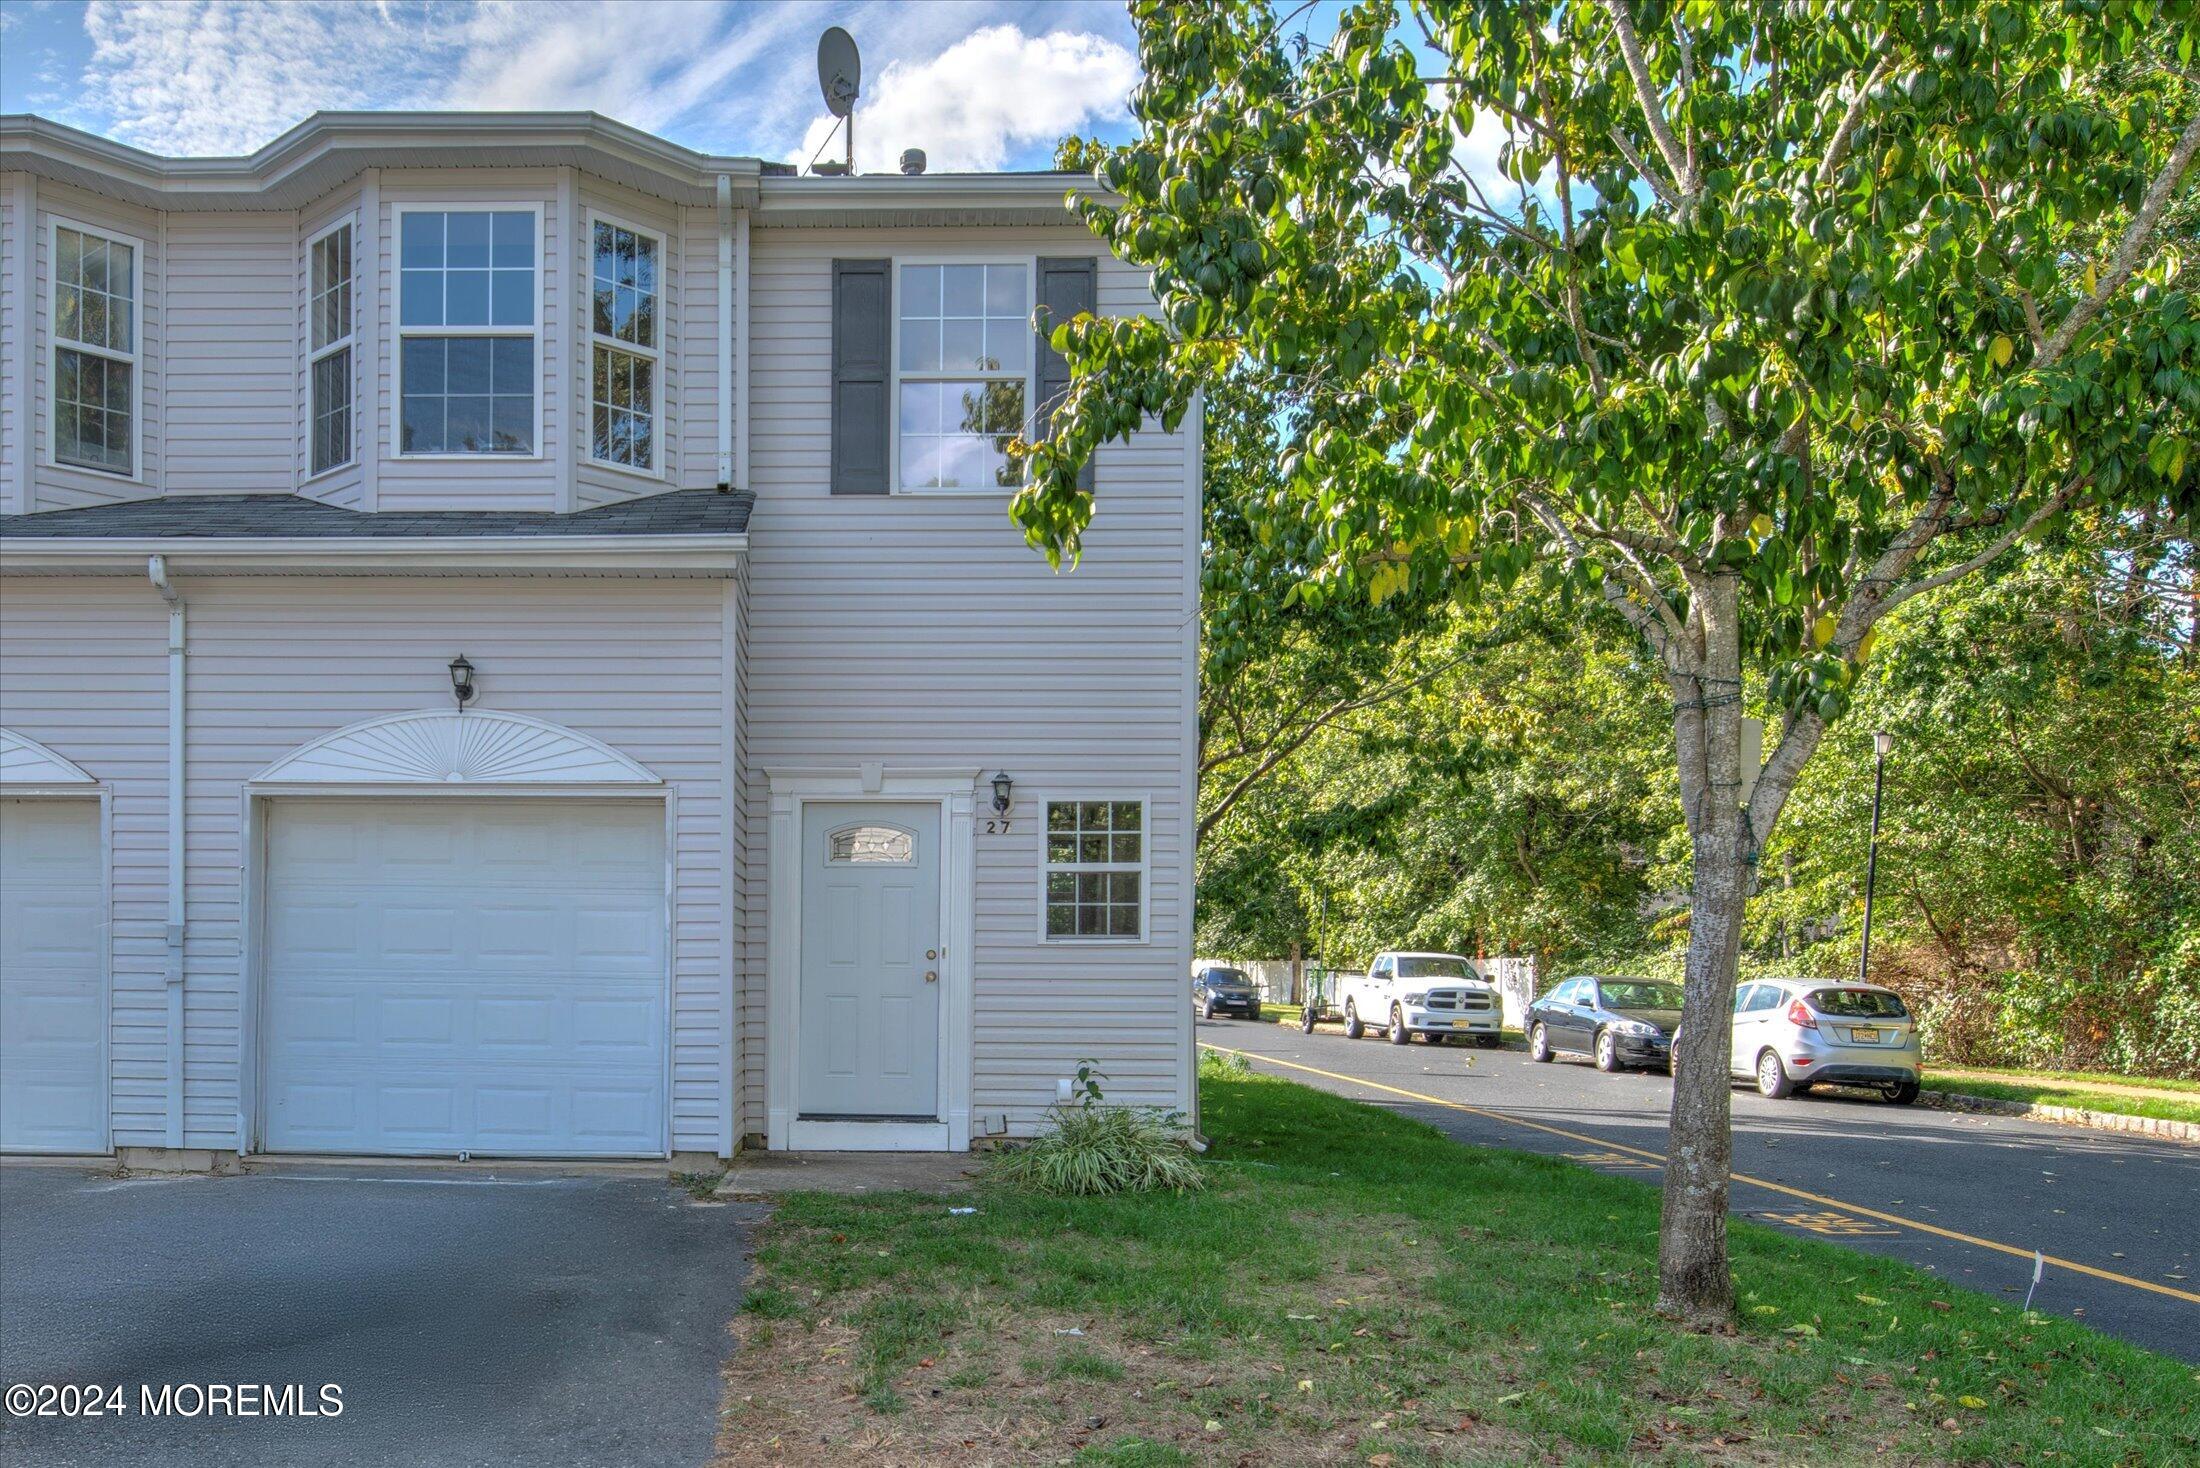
{"x": 1224, "y": 1065}
{"x": 1090, "y": 1150}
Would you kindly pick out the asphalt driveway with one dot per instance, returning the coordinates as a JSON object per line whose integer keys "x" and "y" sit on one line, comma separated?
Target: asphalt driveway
{"x": 468, "y": 1317}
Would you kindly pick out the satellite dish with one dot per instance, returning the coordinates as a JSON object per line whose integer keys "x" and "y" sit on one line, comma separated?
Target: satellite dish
{"x": 840, "y": 78}
{"x": 839, "y": 71}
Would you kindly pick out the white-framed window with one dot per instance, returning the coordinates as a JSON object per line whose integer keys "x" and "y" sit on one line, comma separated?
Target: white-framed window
{"x": 625, "y": 345}
{"x": 329, "y": 370}
{"x": 469, "y": 313}
{"x": 962, "y": 373}
{"x": 1094, "y": 858}
{"x": 92, "y": 305}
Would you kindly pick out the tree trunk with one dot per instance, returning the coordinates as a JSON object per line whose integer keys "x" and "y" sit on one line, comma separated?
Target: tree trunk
{"x": 1694, "y": 1283}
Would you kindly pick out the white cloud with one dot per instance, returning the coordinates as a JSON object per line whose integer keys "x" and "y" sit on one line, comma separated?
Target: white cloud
{"x": 646, "y": 64}
{"x": 201, "y": 77}
{"x": 987, "y": 96}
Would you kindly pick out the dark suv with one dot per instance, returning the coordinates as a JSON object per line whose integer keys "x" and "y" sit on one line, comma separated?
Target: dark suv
{"x": 1217, "y": 989}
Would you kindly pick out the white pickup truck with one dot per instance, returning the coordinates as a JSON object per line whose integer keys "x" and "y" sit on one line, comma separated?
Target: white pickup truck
{"x": 1438, "y": 996}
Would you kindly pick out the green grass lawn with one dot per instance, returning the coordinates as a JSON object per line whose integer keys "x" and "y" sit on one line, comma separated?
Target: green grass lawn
{"x": 2081, "y": 1077}
{"x": 1354, "y": 1287}
{"x": 2050, "y": 1090}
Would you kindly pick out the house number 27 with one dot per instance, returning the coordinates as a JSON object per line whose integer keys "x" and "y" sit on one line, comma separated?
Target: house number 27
{"x": 996, "y": 826}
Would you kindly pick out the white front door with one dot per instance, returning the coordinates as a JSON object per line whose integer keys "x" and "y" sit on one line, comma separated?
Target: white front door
{"x": 868, "y": 1026}
{"x": 53, "y": 1083}
{"x": 465, "y": 975}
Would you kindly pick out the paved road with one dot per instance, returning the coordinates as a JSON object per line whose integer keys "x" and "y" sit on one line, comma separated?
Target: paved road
{"x": 1903, "y": 1181}
{"x": 476, "y": 1317}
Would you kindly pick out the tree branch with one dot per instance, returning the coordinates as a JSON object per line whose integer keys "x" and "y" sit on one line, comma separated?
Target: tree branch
{"x": 1837, "y": 151}
{"x": 1659, "y": 627}
{"x": 2051, "y": 505}
{"x": 1278, "y": 752}
{"x": 1646, "y": 92}
{"x": 2126, "y": 257}
{"x": 1658, "y": 185}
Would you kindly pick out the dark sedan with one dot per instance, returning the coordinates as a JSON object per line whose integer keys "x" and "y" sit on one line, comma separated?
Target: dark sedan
{"x": 1619, "y": 1022}
{"x": 1219, "y": 990}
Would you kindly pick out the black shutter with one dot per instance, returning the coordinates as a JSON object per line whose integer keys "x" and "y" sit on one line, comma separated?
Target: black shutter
{"x": 862, "y": 330}
{"x": 1066, "y": 287}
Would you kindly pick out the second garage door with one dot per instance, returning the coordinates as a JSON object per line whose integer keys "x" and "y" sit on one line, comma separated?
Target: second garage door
{"x": 465, "y": 975}
{"x": 53, "y": 1073}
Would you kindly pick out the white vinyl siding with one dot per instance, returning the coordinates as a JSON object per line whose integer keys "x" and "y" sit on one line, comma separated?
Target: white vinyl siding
{"x": 231, "y": 410}
{"x": 921, "y": 632}
{"x": 329, "y": 335}
{"x": 626, "y": 327}
{"x": 642, "y": 665}
{"x": 92, "y": 303}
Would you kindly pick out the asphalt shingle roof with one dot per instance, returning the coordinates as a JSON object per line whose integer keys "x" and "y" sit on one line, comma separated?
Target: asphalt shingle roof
{"x": 243, "y": 516}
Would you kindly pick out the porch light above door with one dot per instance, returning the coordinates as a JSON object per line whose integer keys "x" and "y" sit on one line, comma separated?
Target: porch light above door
{"x": 1003, "y": 787}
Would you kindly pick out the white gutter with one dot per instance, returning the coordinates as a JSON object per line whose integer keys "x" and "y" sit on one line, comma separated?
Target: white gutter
{"x": 725, "y": 331}
{"x": 632, "y": 555}
{"x": 738, "y": 388}
{"x": 156, "y": 570}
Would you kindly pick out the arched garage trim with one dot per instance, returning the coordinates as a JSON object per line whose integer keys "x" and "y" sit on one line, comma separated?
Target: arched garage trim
{"x": 446, "y": 747}
{"x": 25, "y": 761}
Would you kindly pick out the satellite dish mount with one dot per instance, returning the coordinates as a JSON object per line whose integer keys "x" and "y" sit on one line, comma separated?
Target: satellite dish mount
{"x": 840, "y": 78}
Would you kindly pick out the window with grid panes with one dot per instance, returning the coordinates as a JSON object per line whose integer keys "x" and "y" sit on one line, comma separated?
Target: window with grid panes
{"x": 1095, "y": 868}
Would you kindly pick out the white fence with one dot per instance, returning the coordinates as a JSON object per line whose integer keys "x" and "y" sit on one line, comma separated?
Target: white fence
{"x": 1513, "y": 976}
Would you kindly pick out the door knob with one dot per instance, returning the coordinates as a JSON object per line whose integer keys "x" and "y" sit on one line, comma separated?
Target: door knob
{"x": 931, "y": 953}
{"x": 931, "y": 976}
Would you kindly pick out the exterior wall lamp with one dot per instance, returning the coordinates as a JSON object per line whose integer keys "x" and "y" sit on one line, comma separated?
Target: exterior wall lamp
{"x": 1003, "y": 787}
{"x": 462, "y": 681}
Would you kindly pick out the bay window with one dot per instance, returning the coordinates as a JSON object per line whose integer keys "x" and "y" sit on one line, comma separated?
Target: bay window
{"x": 962, "y": 364}
{"x": 329, "y": 346}
{"x": 93, "y": 310}
{"x": 625, "y": 347}
{"x": 467, "y": 318}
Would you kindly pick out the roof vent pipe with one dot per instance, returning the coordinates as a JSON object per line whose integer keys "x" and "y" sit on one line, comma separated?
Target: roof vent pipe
{"x": 912, "y": 161}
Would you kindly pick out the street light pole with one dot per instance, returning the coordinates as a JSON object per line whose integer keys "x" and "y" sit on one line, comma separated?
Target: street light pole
{"x": 1881, "y": 743}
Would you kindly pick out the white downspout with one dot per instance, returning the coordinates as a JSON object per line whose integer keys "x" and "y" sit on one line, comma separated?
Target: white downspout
{"x": 725, "y": 331}
{"x": 156, "y": 570}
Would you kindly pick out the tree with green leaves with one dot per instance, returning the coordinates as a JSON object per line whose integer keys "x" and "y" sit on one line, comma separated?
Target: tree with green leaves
{"x": 1516, "y": 803}
{"x": 1276, "y": 672}
{"x": 1771, "y": 319}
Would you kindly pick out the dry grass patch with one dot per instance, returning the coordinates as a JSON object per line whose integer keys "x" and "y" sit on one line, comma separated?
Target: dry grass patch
{"x": 1007, "y": 1384}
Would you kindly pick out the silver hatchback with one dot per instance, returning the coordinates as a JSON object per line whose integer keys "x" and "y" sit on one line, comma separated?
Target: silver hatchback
{"x": 1792, "y": 1034}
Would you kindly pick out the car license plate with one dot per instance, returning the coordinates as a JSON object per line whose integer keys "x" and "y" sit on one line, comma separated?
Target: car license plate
{"x": 1462, "y": 1024}
{"x": 1864, "y": 1036}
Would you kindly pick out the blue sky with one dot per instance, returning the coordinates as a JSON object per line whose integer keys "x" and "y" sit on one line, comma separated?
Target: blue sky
{"x": 977, "y": 83}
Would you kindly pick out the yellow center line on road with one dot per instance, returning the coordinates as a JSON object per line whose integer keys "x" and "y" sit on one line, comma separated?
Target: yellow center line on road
{"x": 1756, "y": 1182}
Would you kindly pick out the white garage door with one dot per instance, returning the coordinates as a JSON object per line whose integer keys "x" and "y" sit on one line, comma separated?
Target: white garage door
{"x": 480, "y": 976}
{"x": 53, "y": 1089}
